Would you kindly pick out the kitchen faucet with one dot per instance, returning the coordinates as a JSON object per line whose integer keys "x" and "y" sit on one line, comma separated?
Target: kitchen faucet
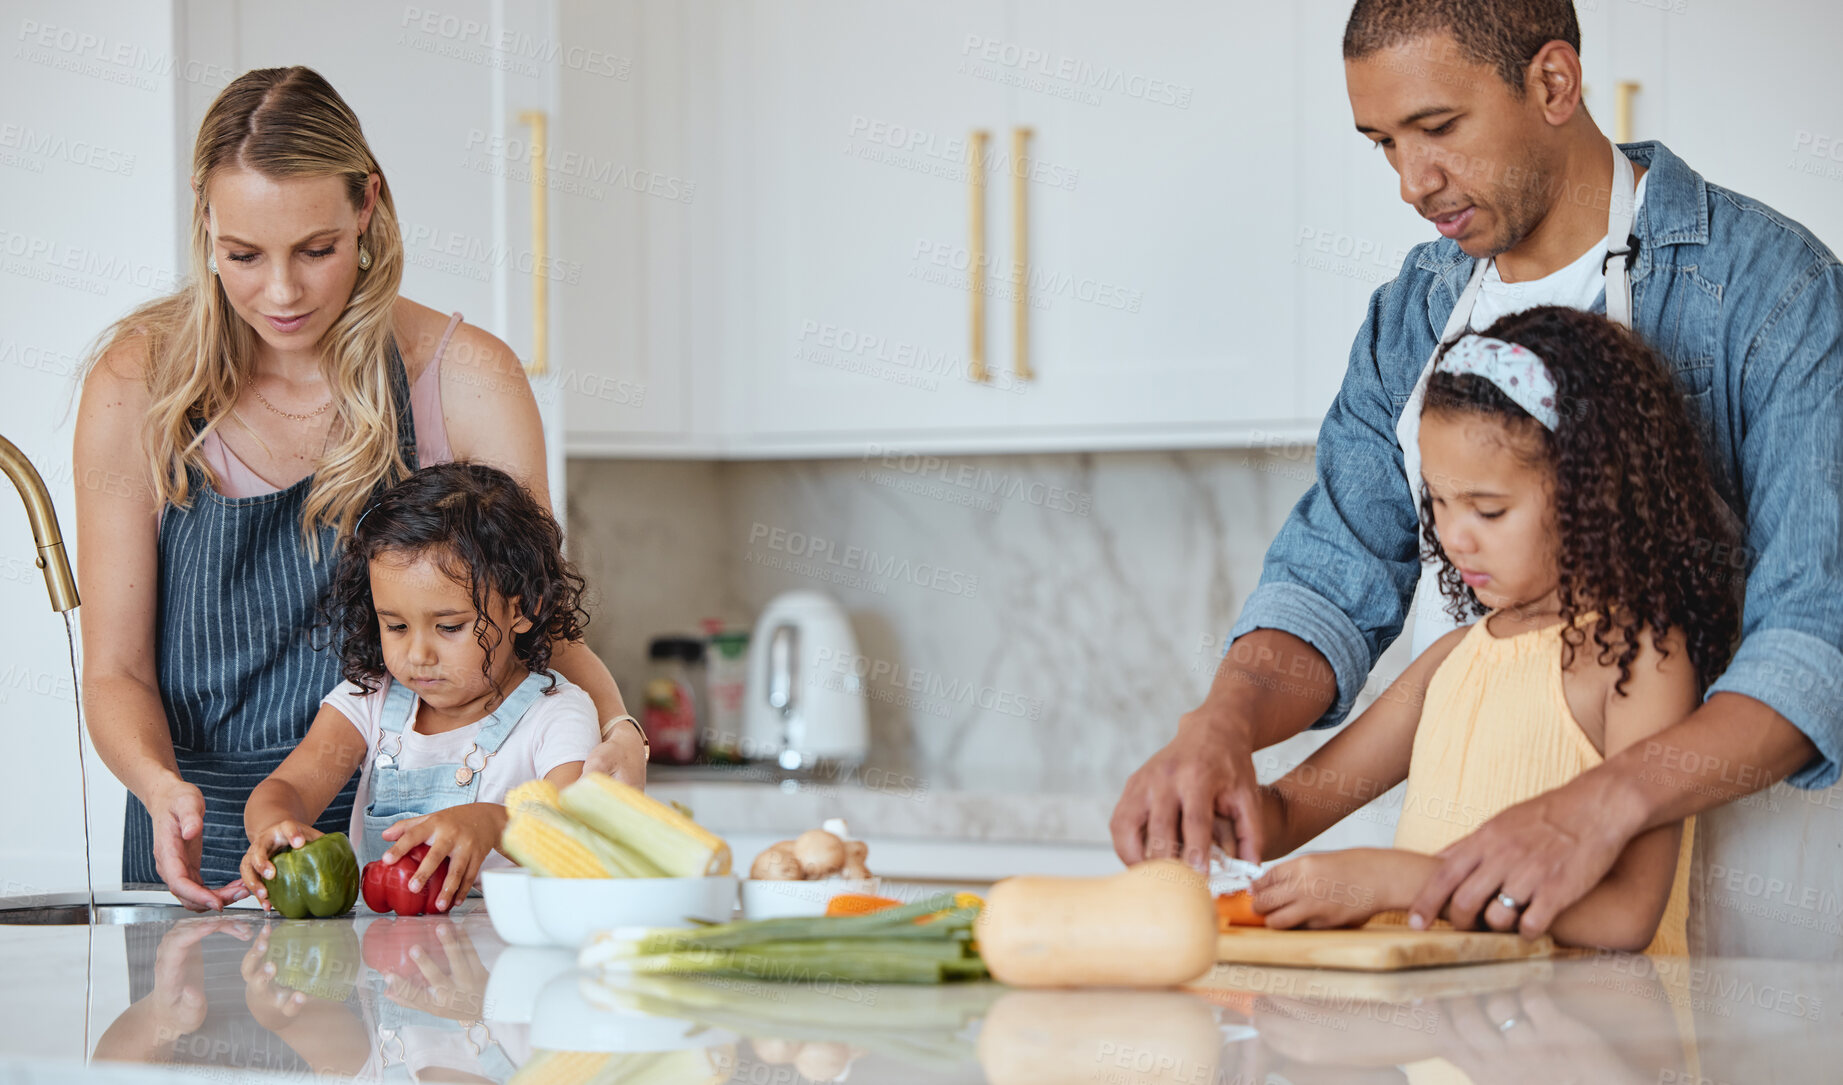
{"x": 51, "y": 557}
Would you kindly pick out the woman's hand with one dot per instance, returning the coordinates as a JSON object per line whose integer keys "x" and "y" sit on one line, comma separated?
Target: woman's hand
{"x": 1337, "y": 888}
{"x": 465, "y": 835}
{"x": 621, "y": 755}
{"x": 178, "y": 812}
{"x": 256, "y": 869}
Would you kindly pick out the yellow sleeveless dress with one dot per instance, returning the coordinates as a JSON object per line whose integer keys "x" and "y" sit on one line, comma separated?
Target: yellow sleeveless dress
{"x": 1495, "y": 730}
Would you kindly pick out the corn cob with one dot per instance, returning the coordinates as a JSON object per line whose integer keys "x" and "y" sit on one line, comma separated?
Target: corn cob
{"x": 678, "y": 846}
{"x": 539, "y": 792}
{"x": 552, "y": 844}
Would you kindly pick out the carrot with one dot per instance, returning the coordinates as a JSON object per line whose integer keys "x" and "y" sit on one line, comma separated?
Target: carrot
{"x": 858, "y": 904}
{"x": 1237, "y": 910}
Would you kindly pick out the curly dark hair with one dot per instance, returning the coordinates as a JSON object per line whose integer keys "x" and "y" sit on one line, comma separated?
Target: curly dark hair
{"x": 489, "y": 535}
{"x": 1635, "y": 510}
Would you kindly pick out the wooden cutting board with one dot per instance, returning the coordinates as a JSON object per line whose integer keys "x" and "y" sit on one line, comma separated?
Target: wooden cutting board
{"x": 1374, "y": 949}
{"x": 1239, "y": 985}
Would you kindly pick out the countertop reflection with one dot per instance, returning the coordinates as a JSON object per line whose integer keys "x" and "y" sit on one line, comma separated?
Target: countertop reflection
{"x": 239, "y": 997}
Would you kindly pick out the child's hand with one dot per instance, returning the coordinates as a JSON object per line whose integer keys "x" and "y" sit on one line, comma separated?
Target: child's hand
{"x": 1328, "y": 888}
{"x": 464, "y": 835}
{"x": 256, "y": 867}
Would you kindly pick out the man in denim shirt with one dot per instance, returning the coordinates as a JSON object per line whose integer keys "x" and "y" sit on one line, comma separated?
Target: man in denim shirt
{"x": 1477, "y": 106}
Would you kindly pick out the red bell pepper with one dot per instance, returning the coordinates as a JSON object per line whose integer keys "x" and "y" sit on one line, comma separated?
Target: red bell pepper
{"x": 387, "y": 888}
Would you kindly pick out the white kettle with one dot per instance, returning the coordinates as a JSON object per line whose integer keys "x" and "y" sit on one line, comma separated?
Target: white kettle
{"x": 804, "y": 698}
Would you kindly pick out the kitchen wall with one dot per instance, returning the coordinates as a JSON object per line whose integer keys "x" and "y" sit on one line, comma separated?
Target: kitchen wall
{"x": 1060, "y": 613}
{"x": 88, "y": 193}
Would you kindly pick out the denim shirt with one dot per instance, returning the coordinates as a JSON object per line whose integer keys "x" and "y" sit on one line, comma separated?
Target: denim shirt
{"x": 1746, "y": 307}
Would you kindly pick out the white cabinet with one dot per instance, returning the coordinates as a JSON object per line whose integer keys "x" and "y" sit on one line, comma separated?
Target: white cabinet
{"x": 1160, "y": 308}
{"x": 851, "y": 260}
{"x": 625, "y": 202}
{"x": 1155, "y": 210}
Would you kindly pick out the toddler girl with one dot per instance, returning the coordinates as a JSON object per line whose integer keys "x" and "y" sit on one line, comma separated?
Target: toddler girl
{"x": 1567, "y": 502}
{"x": 446, "y": 602}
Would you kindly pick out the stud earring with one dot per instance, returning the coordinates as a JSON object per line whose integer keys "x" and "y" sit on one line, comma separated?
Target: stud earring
{"x": 364, "y": 257}
{"x": 211, "y": 263}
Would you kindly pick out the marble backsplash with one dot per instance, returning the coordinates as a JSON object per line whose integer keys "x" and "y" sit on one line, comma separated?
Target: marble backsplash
{"x": 1040, "y": 622}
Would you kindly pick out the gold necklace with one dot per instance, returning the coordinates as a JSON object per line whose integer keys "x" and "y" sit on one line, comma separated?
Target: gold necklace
{"x": 308, "y": 417}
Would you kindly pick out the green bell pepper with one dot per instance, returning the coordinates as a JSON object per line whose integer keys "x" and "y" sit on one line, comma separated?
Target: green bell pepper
{"x": 320, "y": 879}
{"x": 320, "y": 960}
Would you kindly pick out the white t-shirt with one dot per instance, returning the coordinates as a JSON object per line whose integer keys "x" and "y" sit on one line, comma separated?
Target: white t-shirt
{"x": 558, "y": 728}
{"x": 1576, "y": 286}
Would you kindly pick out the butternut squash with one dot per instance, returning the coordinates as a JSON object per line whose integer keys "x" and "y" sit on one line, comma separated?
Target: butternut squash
{"x": 1152, "y": 925}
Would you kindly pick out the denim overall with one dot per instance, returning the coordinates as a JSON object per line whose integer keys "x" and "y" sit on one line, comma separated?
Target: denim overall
{"x": 398, "y": 793}
{"x": 239, "y": 676}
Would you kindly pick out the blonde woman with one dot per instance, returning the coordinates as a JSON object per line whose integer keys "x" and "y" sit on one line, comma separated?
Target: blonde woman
{"x": 245, "y": 422}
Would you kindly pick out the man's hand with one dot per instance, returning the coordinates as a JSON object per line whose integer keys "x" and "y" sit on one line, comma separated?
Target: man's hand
{"x": 178, "y": 813}
{"x": 1546, "y": 853}
{"x": 1201, "y": 788}
{"x": 1172, "y": 806}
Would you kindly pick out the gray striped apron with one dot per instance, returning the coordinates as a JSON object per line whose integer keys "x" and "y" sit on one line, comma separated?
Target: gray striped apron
{"x": 239, "y": 677}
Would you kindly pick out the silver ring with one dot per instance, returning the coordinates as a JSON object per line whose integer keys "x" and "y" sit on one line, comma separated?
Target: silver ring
{"x": 1509, "y": 901}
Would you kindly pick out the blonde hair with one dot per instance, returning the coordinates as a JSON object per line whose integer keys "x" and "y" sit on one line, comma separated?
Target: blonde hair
{"x": 280, "y": 123}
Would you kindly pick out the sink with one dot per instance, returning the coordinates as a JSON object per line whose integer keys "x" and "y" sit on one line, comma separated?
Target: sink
{"x": 72, "y": 909}
{"x": 77, "y": 915}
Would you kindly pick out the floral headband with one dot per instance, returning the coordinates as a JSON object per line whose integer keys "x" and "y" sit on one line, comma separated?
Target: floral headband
{"x": 1516, "y": 370}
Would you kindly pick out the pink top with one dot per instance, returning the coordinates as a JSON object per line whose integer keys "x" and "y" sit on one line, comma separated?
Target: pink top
{"x": 235, "y": 479}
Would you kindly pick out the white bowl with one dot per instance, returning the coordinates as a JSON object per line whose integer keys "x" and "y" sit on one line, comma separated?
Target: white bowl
{"x": 570, "y": 909}
{"x": 762, "y": 899}
{"x": 508, "y": 905}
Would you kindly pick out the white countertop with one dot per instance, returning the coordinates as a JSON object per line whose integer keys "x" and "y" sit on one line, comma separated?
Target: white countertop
{"x": 159, "y": 999}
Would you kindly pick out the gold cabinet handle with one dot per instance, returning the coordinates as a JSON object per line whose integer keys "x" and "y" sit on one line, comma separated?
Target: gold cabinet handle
{"x": 976, "y": 270}
{"x": 1622, "y": 111}
{"x": 540, "y": 237}
{"x": 1020, "y": 253}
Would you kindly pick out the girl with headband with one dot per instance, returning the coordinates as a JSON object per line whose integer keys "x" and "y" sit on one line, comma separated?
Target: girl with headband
{"x": 1568, "y": 505}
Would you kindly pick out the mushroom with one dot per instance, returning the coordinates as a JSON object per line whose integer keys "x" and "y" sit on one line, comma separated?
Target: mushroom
{"x": 819, "y": 853}
{"x": 777, "y": 864}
